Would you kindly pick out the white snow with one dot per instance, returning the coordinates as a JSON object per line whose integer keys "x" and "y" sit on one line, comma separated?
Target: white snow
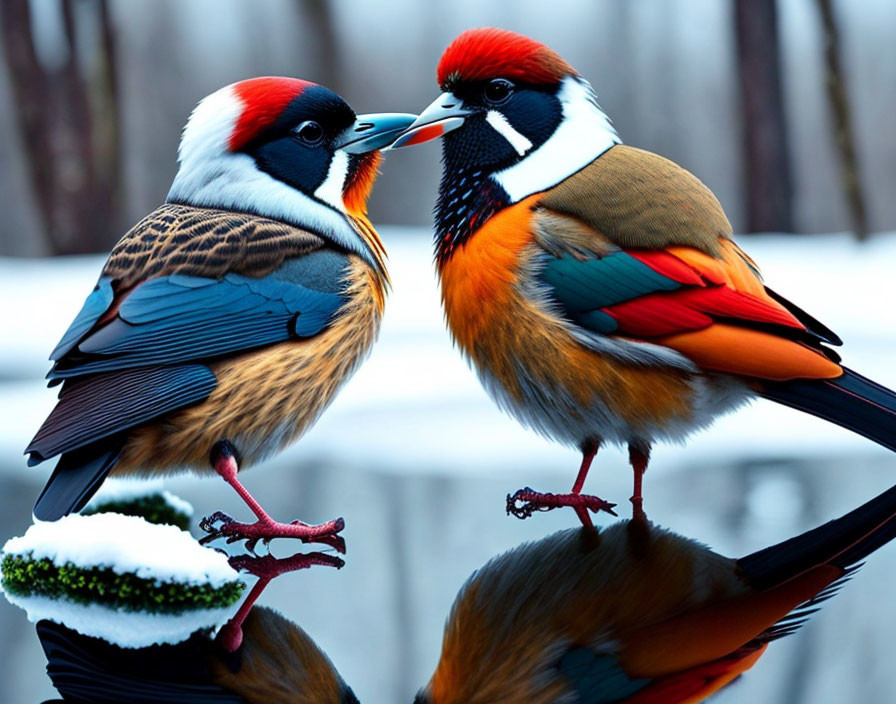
{"x": 128, "y": 629}
{"x": 123, "y": 490}
{"x": 415, "y": 410}
{"x": 125, "y": 544}
{"x": 414, "y": 406}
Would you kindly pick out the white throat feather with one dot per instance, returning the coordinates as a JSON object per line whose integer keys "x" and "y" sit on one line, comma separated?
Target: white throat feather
{"x": 211, "y": 176}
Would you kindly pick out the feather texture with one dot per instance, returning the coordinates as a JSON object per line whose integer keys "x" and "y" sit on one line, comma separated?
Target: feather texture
{"x": 635, "y": 198}
{"x": 178, "y": 318}
{"x": 637, "y": 614}
{"x": 98, "y": 406}
{"x": 205, "y": 242}
{"x": 89, "y": 669}
{"x": 259, "y": 320}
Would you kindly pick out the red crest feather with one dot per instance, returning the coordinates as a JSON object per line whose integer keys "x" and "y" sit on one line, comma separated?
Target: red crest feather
{"x": 489, "y": 52}
{"x": 264, "y": 99}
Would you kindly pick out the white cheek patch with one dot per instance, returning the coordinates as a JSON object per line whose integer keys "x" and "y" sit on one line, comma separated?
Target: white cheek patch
{"x": 330, "y": 191}
{"x": 506, "y": 130}
{"x": 583, "y": 134}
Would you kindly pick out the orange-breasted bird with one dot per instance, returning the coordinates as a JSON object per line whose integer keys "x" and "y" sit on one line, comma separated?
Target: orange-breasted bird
{"x": 636, "y": 614}
{"x": 225, "y": 321}
{"x": 596, "y": 287}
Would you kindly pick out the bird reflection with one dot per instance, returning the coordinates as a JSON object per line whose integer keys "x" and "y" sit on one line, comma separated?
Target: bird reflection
{"x": 277, "y": 663}
{"x": 637, "y": 614}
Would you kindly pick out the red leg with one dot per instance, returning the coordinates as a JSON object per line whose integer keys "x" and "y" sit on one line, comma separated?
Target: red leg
{"x": 638, "y": 458}
{"x": 526, "y": 501}
{"x": 589, "y": 450}
{"x": 224, "y": 461}
{"x": 266, "y": 568}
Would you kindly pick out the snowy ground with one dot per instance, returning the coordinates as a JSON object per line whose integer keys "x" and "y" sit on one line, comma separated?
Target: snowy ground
{"x": 418, "y": 460}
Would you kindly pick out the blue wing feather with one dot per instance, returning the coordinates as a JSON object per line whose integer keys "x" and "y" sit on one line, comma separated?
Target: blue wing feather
{"x": 94, "y": 306}
{"x": 181, "y": 318}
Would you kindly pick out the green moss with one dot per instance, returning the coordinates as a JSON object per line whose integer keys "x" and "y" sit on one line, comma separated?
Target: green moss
{"x": 24, "y": 576}
{"x": 152, "y": 507}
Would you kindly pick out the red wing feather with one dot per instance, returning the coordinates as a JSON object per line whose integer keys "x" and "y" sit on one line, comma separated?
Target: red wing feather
{"x": 687, "y": 309}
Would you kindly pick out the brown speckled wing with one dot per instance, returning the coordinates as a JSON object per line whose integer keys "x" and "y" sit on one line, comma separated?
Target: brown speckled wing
{"x": 204, "y": 242}
{"x": 637, "y": 199}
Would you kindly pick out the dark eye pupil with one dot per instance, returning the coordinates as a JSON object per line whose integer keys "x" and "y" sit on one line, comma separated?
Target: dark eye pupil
{"x": 498, "y": 89}
{"x": 310, "y": 132}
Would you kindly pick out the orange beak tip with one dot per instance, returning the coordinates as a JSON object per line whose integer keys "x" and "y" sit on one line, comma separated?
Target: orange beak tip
{"x": 422, "y": 134}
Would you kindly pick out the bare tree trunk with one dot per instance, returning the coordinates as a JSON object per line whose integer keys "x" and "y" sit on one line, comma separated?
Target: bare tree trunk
{"x": 68, "y": 120}
{"x": 766, "y": 154}
{"x": 319, "y": 29}
{"x": 842, "y": 122}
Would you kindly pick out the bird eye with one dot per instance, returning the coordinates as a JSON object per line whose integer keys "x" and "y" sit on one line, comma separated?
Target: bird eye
{"x": 497, "y": 91}
{"x": 309, "y": 132}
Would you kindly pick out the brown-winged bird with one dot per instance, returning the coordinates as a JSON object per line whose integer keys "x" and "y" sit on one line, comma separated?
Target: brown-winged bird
{"x": 225, "y": 321}
{"x": 278, "y": 663}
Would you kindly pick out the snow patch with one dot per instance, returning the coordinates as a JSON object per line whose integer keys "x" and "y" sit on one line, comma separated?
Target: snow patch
{"x": 125, "y": 544}
{"x": 127, "y": 629}
{"x": 124, "y": 490}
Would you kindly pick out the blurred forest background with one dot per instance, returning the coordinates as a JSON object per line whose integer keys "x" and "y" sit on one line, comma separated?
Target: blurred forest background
{"x": 785, "y": 108}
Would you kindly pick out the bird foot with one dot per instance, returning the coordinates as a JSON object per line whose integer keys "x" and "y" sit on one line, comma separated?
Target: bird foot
{"x": 268, "y": 567}
{"x": 220, "y": 525}
{"x": 527, "y": 501}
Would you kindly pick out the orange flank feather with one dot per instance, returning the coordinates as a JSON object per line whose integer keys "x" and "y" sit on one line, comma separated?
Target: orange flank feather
{"x": 661, "y": 649}
{"x": 699, "y": 683}
{"x": 739, "y": 350}
{"x": 504, "y": 332}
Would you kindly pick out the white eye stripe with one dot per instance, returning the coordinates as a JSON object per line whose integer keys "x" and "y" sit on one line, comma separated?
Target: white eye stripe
{"x": 506, "y": 130}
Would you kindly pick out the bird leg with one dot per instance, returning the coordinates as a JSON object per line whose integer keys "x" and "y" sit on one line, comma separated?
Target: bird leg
{"x": 526, "y": 501}
{"x": 224, "y": 460}
{"x": 638, "y": 458}
{"x": 266, "y": 568}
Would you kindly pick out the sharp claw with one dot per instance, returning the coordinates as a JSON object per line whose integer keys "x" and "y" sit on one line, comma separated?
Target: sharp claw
{"x": 524, "y": 502}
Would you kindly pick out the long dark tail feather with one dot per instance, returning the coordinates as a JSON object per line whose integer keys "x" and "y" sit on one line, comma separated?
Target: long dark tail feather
{"x": 87, "y": 669}
{"x": 851, "y": 401}
{"x": 77, "y": 476}
{"x": 842, "y": 543}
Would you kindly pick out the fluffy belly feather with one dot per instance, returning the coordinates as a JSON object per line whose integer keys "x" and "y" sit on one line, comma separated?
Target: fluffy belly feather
{"x": 267, "y": 398}
{"x": 569, "y": 385}
{"x": 537, "y": 370}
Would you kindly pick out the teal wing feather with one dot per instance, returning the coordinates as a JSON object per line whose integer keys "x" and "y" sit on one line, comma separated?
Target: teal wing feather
{"x": 583, "y": 287}
{"x": 597, "y": 678}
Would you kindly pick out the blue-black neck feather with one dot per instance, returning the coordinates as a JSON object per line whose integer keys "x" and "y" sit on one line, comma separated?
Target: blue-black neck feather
{"x": 467, "y": 199}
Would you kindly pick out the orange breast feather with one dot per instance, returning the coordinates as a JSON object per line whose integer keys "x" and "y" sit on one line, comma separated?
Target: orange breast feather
{"x": 510, "y": 336}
